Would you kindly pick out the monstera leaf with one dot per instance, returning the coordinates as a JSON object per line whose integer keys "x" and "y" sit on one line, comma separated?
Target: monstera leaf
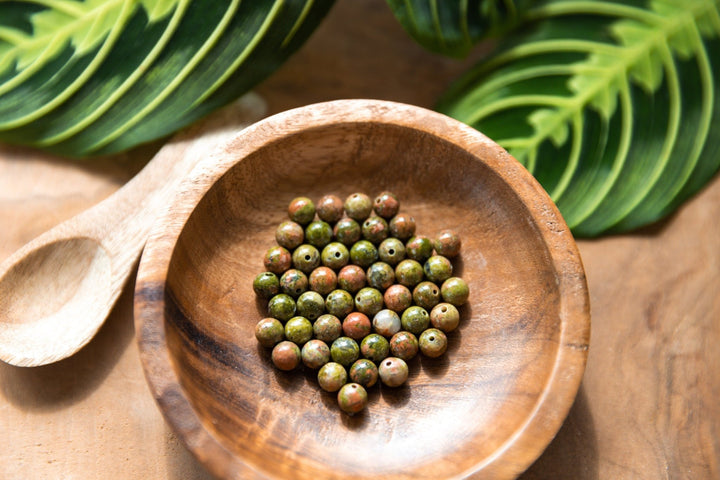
{"x": 614, "y": 106}
{"x": 98, "y": 76}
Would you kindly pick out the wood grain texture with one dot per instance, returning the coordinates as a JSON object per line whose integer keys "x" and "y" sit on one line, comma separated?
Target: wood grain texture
{"x": 486, "y": 409}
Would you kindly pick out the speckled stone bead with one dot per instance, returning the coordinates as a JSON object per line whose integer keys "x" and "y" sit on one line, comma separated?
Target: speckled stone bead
{"x": 298, "y": 330}
{"x": 318, "y": 234}
{"x": 277, "y": 259}
{"x": 380, "y": 275}
{"x": 393, "y": 371}
{"x": 269, "y": 331}
{"x": 397, "y": 298}
{"x": 327, "y": 328}
{"x": 375, "y": 229}
{"x": 364, "y": 372}
{"x": 374, "y": 347}
{"x": 445, "y": 317}
{"x": 335, "y": 255}
{"x": 386, "y": 205}
{"x": 306, "y": 258}
{"x": 363, "y": 253}
{"x": 404, "y": 345}
{"x": 301, "y": 210}
{"x": 286, "y": 355}
{"x": 289, "y": 235}
{"x": 369, "y": 301}
{"x": 402, "y": 226}
{"x": 438, "y": 269}
{"x": 391, "y": 251}
{"x": 415, "y": 319}
{"x": 281, "y": 307}
{"x": 332, "y": 376}
{"x": 310, "y": 305}
{"x": 266, "y": 285}
{"x": 293, "y": 282}
{"x": 352, "y": 398}
{"x": 432, "y": 342}
{"x": 419, "y": 248}
{"x": 344, "y": 350}
{"x": 339, "y": 303}
{"x": 322, "y": 280}
{"x": 409, "y": 273}
{"x": 315, "y": 353}
{"x": 455, "y": 291}
{"x": 358, "y": 206}
{"x": 347, "y": 231}
{"x": 426, "y": 295}
{"x": 330, "y": 208}
{"x": 447, "y": 243}
{"x": 387, "y": 323}
{"x": 356, "y": 325}
{"x": 352, "y": 278}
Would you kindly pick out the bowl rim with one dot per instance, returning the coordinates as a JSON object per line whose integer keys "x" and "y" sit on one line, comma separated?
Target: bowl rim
{"x": 527, "y": 442}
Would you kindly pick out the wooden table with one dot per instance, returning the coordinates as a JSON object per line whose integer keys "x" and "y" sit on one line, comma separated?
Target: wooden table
{"x": 647, "y": 409}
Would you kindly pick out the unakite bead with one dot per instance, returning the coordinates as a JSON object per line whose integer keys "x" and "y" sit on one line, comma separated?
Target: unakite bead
{"x": 323, "y": 280}
{"x": 363, "y": 253}
{"x": 445, "y": 317}
{"x": 286, "y": 355}
{"x": 266, "y": 285}
{"x": 339, "y": 303}
{"x": 289, "y": 235}
{"x": 393, "y": 371}
{"x": 269, "y": 331}
{"x": 402, "y": 226}
{"x": 387, "y": 323}
{"x": 438, "y": 269}
{"x": 332, "y": 376}
{"x": 426, "y": 295}
{"x": 447, "y": 243}
{"x": 335, "y": 255}
{"x": 358, "y": 206}
{"x": 415, "y": 319}
{"x": 306, "y": 258}
{"x": 298, "y": 330}
{"x": 352, "y": 398}
{"x": 301, "y": 210}
{"x": 454, "y": 290}
{"x": 391, "y": 251}
{"x": 386, "y": 205}
{"x": 344, "y": 350}
{"x": 318, "y": 234}
{"x": 397, "y": 298}
{"x": 277, "y": 259}
{"x": 364, "y": 372}
{"x": 432, "y": 342}
{"x": 374, "y": 347}
{"x": 356, "y": 325}
{"x": 380, "y": 275}
{"x": 330, "y": 208}
{"x": 347, "y": 231}
{"x": 327, "y": 328}
{"x": 369, "y": 301}
{"x": 310, "y": 305}
{"x": 351, "y": 278}
{"x": 409, "y": 273}
{"x": 404, "y": 345}
{"x": 315, "y": 353}
{"x": 293, "y": 282}
{"x": 282, "y": 307}
{"x": 419, "y": 248}
{"x": 375, "y": 229}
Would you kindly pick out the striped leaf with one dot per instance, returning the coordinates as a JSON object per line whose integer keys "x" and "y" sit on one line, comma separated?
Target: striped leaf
{"x": 98, "y": 76}
{"x": 614, "y": 106}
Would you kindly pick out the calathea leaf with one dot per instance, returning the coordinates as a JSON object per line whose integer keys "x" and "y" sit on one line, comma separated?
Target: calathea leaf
{"x": 98, "y": 76}
{"x": 613, "y": 105}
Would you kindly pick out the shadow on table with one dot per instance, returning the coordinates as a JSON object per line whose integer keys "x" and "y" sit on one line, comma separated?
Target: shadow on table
{"x": 64, "y": 383}
{"x": 573, "y": 452}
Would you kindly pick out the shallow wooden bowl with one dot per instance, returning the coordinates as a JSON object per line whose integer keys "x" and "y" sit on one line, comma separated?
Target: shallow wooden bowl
{"x": 487, "y": 408}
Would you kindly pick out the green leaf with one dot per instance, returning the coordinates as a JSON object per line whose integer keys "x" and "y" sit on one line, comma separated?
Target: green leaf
{"x": 613, "y": 105}
{"x": 100, "y": 76}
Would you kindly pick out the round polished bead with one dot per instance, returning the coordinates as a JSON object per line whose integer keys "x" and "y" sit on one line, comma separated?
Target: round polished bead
{"x": 298, "y": 330}
{"x": 351, "y": 278}
{"x": 380, "y": 275}
{"x": 438, "y": 269}
{"x": 315, "y": 353}
{"x": 347, "y": 231}
{"x": 454, "y": 290}
{"x": 352, "y": 398}
{"x": 289, "y": 235}
{"x": 356, "y": 325}
{"x": 409, "y": 273}
{"x": 327, "y": 328}
{"x": 426, "y": 295}
{"x": 358, "y": 206}
{"x": 432, "y": 342}
{"x": 332, "y": 376}
{"x": 393, "y": 371}
{"x": 447, "y": 243}
{"x": 306, "y": 258}
{"x": 281, "y": 307}
{"x": 445, "y": 317}
{"x": 330, "y": 208}
{"x": 402, "y": 226}
{"x": 344, "y": 350}
{"x": 339, "y": 303}
{"x": 397, "y": 298}
{"x": 387, "y": 323}
{"x": 404, "y": 345}
{"x": 419, "y": 248}
{"x": 386, "y": 205}
{"x": 335, "y": 255}
{"x": 293, "y": 282}
{"x": 286, "y": 355}
{"x": 391, "y": 251}
{"x": 301, "y": 210}
{"x": 266, "y": 285}
{"x": 277, "y": 259}
{"x": 369, "y": 301}
{"x": 269, "y": 331}
{"x": 310, "y": 305}
{"x": 374, "y": 347}
{"x": 415, "y": 319}
{"x": 364, "y": 372}
{"x": 363, "y": 253}
{"x": 323, "y": 280}
{"x": 375, "y": 229}
{"x": 318, "y": 234}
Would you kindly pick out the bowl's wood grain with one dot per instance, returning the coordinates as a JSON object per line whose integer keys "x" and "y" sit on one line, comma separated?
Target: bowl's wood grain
{"x": 488, "y": 407}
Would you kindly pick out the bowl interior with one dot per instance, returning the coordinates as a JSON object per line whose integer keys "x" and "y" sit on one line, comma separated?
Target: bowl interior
{"x": 456, "y": 412}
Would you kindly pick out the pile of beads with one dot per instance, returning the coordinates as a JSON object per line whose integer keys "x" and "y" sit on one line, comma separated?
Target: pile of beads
{"x": 353, "y": 292}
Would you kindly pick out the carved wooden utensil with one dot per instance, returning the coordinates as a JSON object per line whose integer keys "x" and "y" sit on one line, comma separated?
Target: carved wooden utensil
{"x": 486, "y": 408}
{"x": 56, "y": 291}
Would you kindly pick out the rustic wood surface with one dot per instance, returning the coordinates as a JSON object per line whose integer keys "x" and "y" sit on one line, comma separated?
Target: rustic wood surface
{"x": 647, "y": 408}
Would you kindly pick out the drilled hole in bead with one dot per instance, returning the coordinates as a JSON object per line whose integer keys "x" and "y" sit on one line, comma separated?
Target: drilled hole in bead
{"x": 307, "y": 257}
{"x": 353, "y": 386}
{"x": 337, "y": 255}
{"x": 435, "y": 292}
{"x": 391, "y": 251}
{"x": 388, "y": 363}
{"x": 432, "y": 339}
{"x": 443, "y": 309}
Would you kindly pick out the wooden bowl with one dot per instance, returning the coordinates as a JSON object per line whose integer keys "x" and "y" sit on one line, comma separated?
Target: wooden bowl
{"x": 486, "y": 408}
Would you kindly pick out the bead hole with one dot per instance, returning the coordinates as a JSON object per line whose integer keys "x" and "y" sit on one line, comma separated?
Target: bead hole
{"x": 434, "y": 292}
{"x": 307, "y": 257}
{"x": 388, "y": 363}
{"x": 337, "y": 255}
{"x": 443, "y": 309}
{"x": 432, "y": 339}
{"x": 391, "y": 251}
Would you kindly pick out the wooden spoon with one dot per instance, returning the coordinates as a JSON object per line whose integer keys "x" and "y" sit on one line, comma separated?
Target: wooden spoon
{"x": 56, "y": 291}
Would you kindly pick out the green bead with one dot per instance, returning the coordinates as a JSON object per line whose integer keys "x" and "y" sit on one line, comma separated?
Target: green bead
{"x": 358, "y": 206}
{"x": 380, "y": 275}
{"x": 404, "y": 345}
{"x": 375, "y": 229}
{"x": 335, "y": 255}
{"x": 364, "y": 372}
{"x": 269, "y": 331}
{"x": 318, "y": 234}
{"x": 298, "y": 330}
{"x": 266, "y": 285}
{"x": 282, "y": 307}
{"x": 347, "y": 231}
{"x": 415, "y": 320}
{"x": 369, "y": 301}
{"x": 315, "y": 353}
{"x": 455, "y": 291}
{"x": 344, "y": 350}
{"x": 289, "y": 235}
{"x": 409, "y": 273}
{"x": 332, "y": 376}
{"x": 374, "y": 347}
{"x": 301, "y": 210}
{"x": 447, "y": 243}
{"x": 327, "y": 328}
{"x": 306, "y": 258}
{"x": 426, "y": 295}
{"x": 310, "y": 305}
{"x": 339, "y": 303}
{"x": 391, "y": 251}
{"x": 352, "y": 398}
{"x": 363, "y": 253}
{"x": 438, "y": 269}
{"x": 293, "y": 282}
{"x": 445, "y": 317}
{"x": 432, "y": 342}
{"x": 419, "y": 248}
